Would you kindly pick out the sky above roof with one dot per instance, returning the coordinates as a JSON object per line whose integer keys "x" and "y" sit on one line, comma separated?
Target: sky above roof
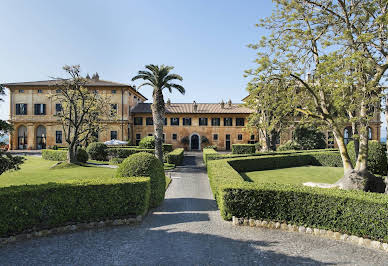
{"x": 206, "y": 42}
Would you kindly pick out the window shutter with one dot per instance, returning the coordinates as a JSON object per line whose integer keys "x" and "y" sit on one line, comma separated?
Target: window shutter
{"x": 44, "y": 109}
{"x": 18, "y": 109}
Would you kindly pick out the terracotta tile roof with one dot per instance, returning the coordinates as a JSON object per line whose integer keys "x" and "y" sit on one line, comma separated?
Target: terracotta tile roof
{"x": 204, "y": 108}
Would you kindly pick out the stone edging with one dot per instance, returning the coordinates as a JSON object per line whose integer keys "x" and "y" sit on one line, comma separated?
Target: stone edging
{"x": 365, "y": 242}
{"x": 71, "y": 228}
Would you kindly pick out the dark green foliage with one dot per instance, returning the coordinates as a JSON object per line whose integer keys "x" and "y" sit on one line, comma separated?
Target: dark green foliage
{"x": 82, "y": 156}
{"x": 243, "y": 148}
{"x": 97, "y": 151}
{"x": 145, "y": 164}
{"x": 207, "y": 152}
{"x": 50, "y": 205}
{"x": 54, "y": 155}
{"x": 9, "y": 162}
{"x": 125, "y": 152}
{"x": 204, "y": 140}
{"x": 167, "y": 148}
{"x": 351, "y": 212}
{"x": 185, "y": 140}
{"x": 289, "y": 146}
{"x": 176, "y": 156}
{"x": 147, "y": 143}
{"x": 309, "y": 138}
{"x": 377, "y": 157}
{"x": 116, "y": 160}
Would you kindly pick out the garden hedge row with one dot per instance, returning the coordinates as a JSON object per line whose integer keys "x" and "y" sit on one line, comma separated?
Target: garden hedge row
{"x": 54, "y": 155}
{"x": 176, "y": 156}
{"x": 208, "y": 152}
{"x": 243, "y": 148}
{"x": 352, "y": 212}
{"x": 125, "y": 152}
{"x": 57, "y": 204}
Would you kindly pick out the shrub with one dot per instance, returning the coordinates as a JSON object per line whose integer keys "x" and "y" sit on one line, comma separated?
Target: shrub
{"x": 147, "y": 143}
{"x": 289, "y": 145}
{"x": 116, "y": 160}
{"x": 97, "y": 151}
{"x": 82, "y": 155}
{"x": 167, "y": 148}
{"x": 214, "y": 147}
{"x": 207, "y": 152}
{"x": 176, "y": 156}
{"x": 55, "y": 204}
{"x": 54, "y": 155}
{"x": 185, "y": 140}
{"x": 204, "y": 140}
{"x": 377, "y": 157}
{"x": 351, "y": 212}
{"x": 145, "y": 164}
{"x": 125, "y": 152}
{"x": 243, "y": 148}
{"x": 309, "y": 138}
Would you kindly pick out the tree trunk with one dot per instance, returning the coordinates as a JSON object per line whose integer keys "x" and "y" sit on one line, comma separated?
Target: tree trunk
{"x": 356, "y": 139}
{"x": 386, "y": 140}
{"x": 267, "y": 141}
{"x": 71, "y": 154}
{"x": 158, "y": 118}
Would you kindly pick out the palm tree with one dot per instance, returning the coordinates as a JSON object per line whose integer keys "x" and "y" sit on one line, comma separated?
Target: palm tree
{"x": 159, "y": 78}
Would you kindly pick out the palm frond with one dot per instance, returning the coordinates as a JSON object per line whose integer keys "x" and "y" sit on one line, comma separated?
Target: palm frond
{"x": 146, "y": 84}
{"x": 178, "y": 87}
{"x": 172, "y": 77}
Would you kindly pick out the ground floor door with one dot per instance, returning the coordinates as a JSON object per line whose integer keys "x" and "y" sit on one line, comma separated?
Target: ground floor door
{"x": 194, "y": 143}
{"x": 22, "y": 142}
{"x": 227, "y": 142}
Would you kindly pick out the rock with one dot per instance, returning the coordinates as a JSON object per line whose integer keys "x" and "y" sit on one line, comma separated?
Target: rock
{"x": 337, "y": 235}
{"x": 322, "y": 232}
{"x": 73, "y": 227}
{"x": 344, "y": 237}
{"x": 316, "y": 231}
{"x": 375, "y": 244}
{"x": 271, "y": 225}
{"x": 101, "y": 224}
{"x": 384, "y": 246}
{"x": 234, "y": 220}
{"x": 264, "y": 223}
{"x": 364, "y": 242}
{"x": 330, "y": 234}
{"x": 284, "y": 226}
{"x": 139, "y": 218}
{"x": 246, "y": 221}
{"x": 277, "y": 225}
{"x": 302, "y": 229}
{"x": 309, "y": 230}
{"x": 353, "y": 239}
{"x": 258, "y": 223}
{"x": 251, "y": 222}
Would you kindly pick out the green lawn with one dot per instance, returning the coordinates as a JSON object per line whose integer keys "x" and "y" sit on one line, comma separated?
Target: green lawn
{"x": 296, "y": 175}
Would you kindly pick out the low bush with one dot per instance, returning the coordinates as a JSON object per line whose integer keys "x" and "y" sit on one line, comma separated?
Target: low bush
{"x": 214, "y": 147}
{"x": 377, "y": 157}
{"x": 82, "y": 155}
{"x": 351, "y": 212}
{"x": 54, "y": 155}
{"x": 57, "y": 204}
{"x": 147, "y": 143}
{"x": 116, "y": 160}
{"x": 167, "y": 148}
{"x": 176, "y": 156}
{"x": 145, "y": 164}
{"x": 207, "y": 152}
{"x": 289, "y": 146}
{"x": 125, "y": 152}
{"x": 97, "y": 151}
{"x": 243, "y": 148}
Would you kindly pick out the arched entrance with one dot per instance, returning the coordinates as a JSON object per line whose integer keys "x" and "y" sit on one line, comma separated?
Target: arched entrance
{"x": 40, "y": 137}
{"x": 194, "y": 142}
{"x": 22, "y": 138}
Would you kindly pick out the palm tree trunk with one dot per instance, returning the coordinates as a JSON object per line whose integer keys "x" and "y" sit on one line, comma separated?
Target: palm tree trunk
{"x": 158, "y": 118}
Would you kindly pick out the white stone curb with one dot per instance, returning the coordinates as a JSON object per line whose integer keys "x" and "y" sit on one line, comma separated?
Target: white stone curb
{"x": 71, "y": 228}
{"x": 365, "y": 242}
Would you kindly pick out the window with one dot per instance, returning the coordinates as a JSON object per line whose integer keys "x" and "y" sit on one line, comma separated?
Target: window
{"x": 113, "y": 109}
{"x": 58, "y": 91}
{"x": 187, "y": 121}
{"x": 113, "y": 91}
{"x": 215, "y": 136}
{"x": 252, "y": 137}
{"x": 21, "y": 108}
{"x": 164, "y": 137}
{"x": 370, "y": 135}
{"x": 58, "y": 136}
{"x": 21, "y": 91}
{"x": 239, "y": 137}
{"x": 138, "y": 121}
{"x": 240, "y": 122}
{"x": 347, "y": 135}
{"x": 95, "y": 91}
{"x": 40, "y": 109}
{"x": 113, "y": 134}
{"x": 150, "y": 134}
{"x": 174, "y": 136}
{"x": 174, "y": 121}
{"x": 165, "y": 121}
{"x": 149, "y": 121}
{"x": 203, "y": 121}
{"x": 40, "y": 91}
{"x": 216, "y": 122}
{"x": 58, "y": 108}
{"x": 138, "y": 138}
{"x": 228, "y": 121}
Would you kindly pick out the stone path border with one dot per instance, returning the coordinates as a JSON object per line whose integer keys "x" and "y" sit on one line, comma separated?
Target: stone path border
{"x": 365, "y": 242}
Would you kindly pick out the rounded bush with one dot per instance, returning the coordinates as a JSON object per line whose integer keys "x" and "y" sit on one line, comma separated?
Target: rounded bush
{"x": 145, "y": 164}
{"x": 377, "y": 158}
{"x": 147, "y": 143}
{"x": 97, "y": 151}
{"x": 82, "y": 155}
{"x": 289, "y": 145}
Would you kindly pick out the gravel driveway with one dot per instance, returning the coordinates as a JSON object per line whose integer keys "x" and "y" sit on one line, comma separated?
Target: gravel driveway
{"x": 187, "y": 229}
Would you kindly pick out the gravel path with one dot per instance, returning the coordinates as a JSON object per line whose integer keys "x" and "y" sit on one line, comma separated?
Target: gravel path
{"x": 187, "y": 229}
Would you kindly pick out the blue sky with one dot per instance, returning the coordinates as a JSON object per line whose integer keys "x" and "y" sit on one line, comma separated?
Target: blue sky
{"x": 205, "y": 41}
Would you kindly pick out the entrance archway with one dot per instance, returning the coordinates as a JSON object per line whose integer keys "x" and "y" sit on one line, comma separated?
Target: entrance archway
{"x": 40, "y": 137}
{"x": 22, "y": 138}
{"x": 194, "y": 142}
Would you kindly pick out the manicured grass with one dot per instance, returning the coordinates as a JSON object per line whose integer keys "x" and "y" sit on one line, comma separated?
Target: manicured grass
{"x": 36, "y": 170}
{"x": 296, "y": 175}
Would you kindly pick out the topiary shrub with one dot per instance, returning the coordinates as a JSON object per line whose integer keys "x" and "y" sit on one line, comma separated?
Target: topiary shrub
{"x": 54, "y": 155}
{"x": 97, "y": 151}
{"x": 82, "y": 155}
{"x": 125, "y": 152}
{"x": 176, "y": 156}
{"x": 147, "y": 143}
{"x": 167, "y": 148}
{"x": 309, "y": 138}
{"x": 377, "y": 158}
{"x": 145, "y": 164}
{"x": 289, "y": 145}
{"x": 243, "y": 148}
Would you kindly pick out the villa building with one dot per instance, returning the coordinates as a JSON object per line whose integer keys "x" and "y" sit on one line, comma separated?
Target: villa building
{"x": 32, "y": 114}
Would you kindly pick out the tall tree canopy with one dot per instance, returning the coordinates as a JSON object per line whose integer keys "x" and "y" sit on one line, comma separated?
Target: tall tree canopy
{"x": 343, "y": 44}
{"x": 159, "y": 78}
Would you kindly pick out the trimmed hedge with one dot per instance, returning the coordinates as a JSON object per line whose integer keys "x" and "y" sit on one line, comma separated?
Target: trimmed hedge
{"x": 176, "y": 156}
{"x": 97, "y": 151}
{"x": 125, "y": 152}
{"x": 377, "y": 157}
{"x": 57, "y": 204}
{"x": 147, "y": 143}
{"x": 290, "y": 146}
{"x": 207, "y": 152}
{"x": 54, "y": 155}
{"x": 352, "y": 212}
{"x": 167, "y": 148}
{"x": 145, "y": 164}
{"x": 243, "y": 148}
{"x": 82, "y": 155}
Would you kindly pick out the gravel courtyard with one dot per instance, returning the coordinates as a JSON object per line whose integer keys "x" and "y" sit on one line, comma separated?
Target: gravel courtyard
{"x": 186, "y": 230}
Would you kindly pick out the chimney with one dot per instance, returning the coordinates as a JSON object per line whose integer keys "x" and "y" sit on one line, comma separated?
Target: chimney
{"x": 195, "y": 106}
{"x": 168, "y": 104}
{"x": 230, "y": 103}
{"x": 222, "y": 104}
